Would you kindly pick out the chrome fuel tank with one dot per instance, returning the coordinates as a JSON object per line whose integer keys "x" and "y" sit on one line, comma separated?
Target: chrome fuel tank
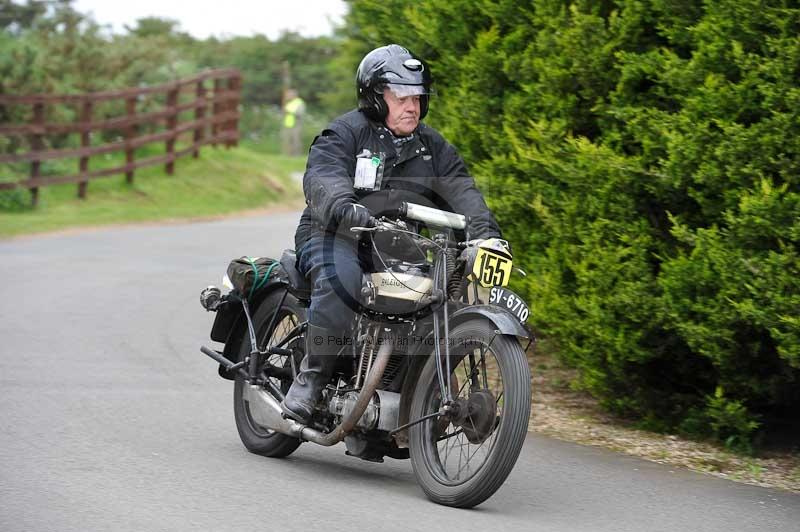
{"x": 396, "y": 285}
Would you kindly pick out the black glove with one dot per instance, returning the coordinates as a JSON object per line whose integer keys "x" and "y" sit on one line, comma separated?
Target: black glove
{"x": 354, "y": 215}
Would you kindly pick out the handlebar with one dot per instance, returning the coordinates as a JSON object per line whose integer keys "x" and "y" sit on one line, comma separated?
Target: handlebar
{"x": 431, "y": 216}
{"x": 421, "y": 213}
{"x": 389, "y": 226}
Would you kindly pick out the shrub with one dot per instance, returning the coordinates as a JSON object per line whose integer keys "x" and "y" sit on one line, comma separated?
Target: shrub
{"x": 643, "y": 156}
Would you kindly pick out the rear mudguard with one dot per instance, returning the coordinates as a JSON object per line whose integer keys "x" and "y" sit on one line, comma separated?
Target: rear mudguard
{"x": 230, "y": 324}
{"x": 504, "y": 322}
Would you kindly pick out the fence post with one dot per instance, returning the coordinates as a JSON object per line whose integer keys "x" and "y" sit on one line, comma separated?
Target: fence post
{"x": 233, "y": 125}
{"x": 172, "y": 123}
{"x": 130, "y": 133}
{"x": 86, "y": 131}
{"x": 217, "y": 109}
{"x": 199, "y": 114}
{"x": 37, "y": 144}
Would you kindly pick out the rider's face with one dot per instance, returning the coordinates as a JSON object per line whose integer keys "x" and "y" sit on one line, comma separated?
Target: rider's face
{"x": 403, "y": 116}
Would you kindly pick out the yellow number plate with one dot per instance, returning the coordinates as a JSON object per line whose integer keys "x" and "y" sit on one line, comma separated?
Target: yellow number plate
{"x": 492, "y": 268}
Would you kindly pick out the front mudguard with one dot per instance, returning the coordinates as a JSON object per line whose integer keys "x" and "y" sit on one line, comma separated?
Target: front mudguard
{"x": 505, "y": 322}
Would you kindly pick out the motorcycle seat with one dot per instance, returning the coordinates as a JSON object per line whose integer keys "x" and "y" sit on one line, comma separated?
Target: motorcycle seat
{"x": 299, "y": 285}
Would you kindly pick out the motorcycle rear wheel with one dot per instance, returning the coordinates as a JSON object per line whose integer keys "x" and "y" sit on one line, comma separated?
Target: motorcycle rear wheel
{"x": 462, "y": 461}
{"x": 258, "y": 439}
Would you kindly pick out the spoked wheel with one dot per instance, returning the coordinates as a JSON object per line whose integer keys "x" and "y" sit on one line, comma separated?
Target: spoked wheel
{"x": 258, "y": 439}
{"x": 461, "y": 459}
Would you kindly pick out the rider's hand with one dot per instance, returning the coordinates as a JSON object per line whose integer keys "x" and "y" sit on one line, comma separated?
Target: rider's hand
{"x": 355, "y": 215}
{"x": 476, "y": 243}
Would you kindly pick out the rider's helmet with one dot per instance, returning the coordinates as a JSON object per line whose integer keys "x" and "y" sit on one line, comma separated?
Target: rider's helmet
{"x": 395, "y": 66}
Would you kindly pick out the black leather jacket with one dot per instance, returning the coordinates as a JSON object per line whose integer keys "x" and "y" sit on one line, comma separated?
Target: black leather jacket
{"x": 426, "y": 170}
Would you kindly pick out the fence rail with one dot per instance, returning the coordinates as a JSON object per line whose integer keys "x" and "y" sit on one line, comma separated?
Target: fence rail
{"x": 219, "y": 126}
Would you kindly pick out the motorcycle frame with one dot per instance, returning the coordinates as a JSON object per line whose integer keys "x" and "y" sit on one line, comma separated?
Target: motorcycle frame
{"x": 439, "y": 302}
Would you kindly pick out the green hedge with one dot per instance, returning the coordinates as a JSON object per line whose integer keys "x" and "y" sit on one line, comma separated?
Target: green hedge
{"x": 643, "y": 157}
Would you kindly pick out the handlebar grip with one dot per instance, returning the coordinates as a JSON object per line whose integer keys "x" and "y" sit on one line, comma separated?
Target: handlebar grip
{"x": 433, "y": 216}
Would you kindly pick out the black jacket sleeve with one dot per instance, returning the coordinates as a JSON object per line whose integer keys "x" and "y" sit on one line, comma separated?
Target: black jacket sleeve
{"x": 458, "y": 192}
{"x": 328, "y": 181}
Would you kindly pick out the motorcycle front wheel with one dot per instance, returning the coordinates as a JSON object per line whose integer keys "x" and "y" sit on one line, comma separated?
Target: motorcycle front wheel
{"x": 258, "y": 439}
{"x": 463, "y": 458}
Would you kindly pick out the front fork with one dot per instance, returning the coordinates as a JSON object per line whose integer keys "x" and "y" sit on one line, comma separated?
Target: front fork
{"x": 442, "y": 373}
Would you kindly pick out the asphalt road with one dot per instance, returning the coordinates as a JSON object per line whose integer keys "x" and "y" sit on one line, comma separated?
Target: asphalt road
{"x": 111, "y": 419}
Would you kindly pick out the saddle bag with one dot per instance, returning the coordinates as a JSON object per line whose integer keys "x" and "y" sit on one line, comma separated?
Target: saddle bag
{"x": 249, "y": 274}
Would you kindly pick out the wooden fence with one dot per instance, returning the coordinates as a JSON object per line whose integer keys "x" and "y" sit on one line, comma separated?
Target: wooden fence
{"x": 217, "y": 91}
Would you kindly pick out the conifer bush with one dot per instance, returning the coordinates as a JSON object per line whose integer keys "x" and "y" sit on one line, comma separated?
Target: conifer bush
{"x": 643, "y": 156}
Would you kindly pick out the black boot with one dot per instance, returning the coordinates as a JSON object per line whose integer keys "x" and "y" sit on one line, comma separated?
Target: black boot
{"x": 315, "y": 371}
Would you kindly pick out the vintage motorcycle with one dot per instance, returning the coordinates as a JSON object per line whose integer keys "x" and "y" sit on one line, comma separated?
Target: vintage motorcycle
{"x": 435, "y": 370}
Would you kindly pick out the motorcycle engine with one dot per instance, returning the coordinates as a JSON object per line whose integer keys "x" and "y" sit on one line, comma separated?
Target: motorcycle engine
{"x": 382, "y": 412}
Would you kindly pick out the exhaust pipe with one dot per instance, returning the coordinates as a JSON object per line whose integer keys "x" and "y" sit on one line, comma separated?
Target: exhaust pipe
{"x": 270, "y": 415}
{"x": 268, "y": 412}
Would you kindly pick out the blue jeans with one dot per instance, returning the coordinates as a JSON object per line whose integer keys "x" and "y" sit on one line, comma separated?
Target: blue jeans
{"x": 333, "y": 267}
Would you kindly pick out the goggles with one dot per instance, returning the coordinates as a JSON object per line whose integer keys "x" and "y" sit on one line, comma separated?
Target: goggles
{"x": 402, "y": 91}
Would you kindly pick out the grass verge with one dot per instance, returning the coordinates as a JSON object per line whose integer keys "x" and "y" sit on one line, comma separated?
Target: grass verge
{"x": 221, "y": 181}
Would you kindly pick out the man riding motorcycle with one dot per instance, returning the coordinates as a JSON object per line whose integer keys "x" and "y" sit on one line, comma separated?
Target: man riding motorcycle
{"x": 364, "y": 164}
